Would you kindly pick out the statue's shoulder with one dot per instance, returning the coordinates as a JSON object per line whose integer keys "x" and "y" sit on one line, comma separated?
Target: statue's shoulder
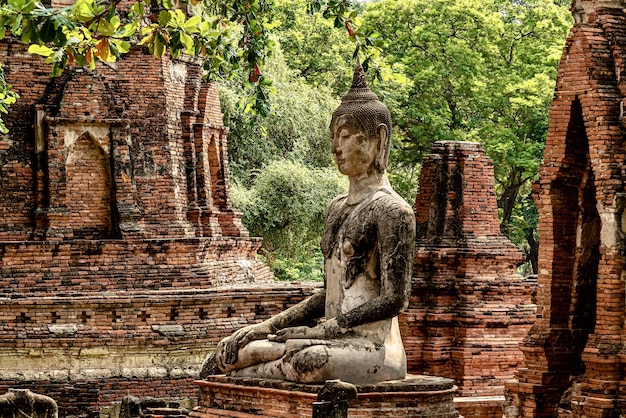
{"x": 336, "y": 202}
{"x": 389, "y": 200}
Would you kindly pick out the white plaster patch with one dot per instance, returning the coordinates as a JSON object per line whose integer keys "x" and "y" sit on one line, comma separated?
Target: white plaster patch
{"x": 99, "y": 132}
{"x": 91, "y": 374}
{"x": 169, "y": 330}
{"x": 179, "y": 372}
{"x": 157, "y": 372}
{"x": 178, "y": 72}
{"x": 608, "y": 227}
{"x": 63, "y": 329}
{"x": 134, "y": 372}
{"x": 94, "y": 352}
{"x": 246, "y": 266}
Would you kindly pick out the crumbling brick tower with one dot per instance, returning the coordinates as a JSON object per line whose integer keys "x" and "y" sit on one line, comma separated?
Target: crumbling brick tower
{"x": 469, "y": 309}
{"x": 575, "y": 356}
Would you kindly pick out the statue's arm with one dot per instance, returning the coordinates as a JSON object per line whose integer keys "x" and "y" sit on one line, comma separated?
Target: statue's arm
{"x": 306, "y": 311}
{"x": 303, "y": 312}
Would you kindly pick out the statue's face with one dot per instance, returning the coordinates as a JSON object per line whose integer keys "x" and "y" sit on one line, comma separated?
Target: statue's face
{"x": 353, "y": 150}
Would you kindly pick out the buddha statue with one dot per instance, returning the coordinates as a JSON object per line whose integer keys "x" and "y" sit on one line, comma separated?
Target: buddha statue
{"x": 367, "y": 243}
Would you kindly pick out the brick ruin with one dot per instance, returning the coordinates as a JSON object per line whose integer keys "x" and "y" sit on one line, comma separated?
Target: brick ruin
{"x": 574, "y": 353}
{"x": 121, "y": 258}
{"x": 468, "y": 309}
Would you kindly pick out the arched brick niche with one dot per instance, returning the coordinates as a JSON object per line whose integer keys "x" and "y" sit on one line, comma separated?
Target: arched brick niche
{"x": 576, "y": 236}
{"x": 88, "y": 193}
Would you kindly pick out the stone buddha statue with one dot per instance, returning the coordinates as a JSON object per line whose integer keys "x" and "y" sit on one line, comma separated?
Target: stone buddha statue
{"x": 367, "y": 243}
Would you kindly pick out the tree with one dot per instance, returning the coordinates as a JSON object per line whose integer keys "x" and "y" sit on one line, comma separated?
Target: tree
{"x": 314, "y": 46}
{"x": 287, "y": 206}
{"x": 283, "y": 177}
{"x": 481, "y": 70}
{"x": 296, "y": 129}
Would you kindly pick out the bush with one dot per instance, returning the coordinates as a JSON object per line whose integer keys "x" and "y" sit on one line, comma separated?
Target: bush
{"x": 286, "y": 205}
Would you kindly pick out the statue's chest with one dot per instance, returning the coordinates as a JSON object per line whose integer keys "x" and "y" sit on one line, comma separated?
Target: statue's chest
{"x": 348, "y": 233}
{"x": 351, "y": 260}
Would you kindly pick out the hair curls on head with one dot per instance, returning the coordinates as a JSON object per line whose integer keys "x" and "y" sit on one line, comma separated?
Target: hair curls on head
{"x": 364, "y": 106}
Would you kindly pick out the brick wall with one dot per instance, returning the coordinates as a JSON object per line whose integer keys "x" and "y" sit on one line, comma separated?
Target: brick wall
{"x": 91, "y": 266}
{"x": 118, "y": 230}
{"x": 155, "y": 128}
{"x": 91, "y": 350}
{"x": 226, "y": 397}
{"x": 469, "y": 310}
{"x": 573, "y": 354}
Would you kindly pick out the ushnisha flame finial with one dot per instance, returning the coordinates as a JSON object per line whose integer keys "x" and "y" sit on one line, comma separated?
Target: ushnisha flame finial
{"x": 359, "y": 91}
{"x": 358, "y": 79}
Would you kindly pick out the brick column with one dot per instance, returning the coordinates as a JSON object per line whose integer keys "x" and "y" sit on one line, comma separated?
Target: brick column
{"x": 209, "y": 209}
{"x": 469, "y": 309}
{"x": 575, "y": 352}
{"x": 55, "y": 215}
{"x": 127, "y": 213}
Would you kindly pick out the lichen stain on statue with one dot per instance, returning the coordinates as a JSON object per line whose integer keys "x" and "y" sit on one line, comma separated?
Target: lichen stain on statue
{"x": 22, "y": 403}
{"x": 368, "y": 243}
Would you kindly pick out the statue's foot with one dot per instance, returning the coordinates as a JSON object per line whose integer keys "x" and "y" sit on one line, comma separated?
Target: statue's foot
{"x": 209, "y": 367}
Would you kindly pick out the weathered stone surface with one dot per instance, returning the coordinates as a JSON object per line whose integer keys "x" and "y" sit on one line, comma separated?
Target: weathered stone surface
{"x": 574, "y": 353}
{"x": 332, "y": 399}
{"x": 368, "y": 244}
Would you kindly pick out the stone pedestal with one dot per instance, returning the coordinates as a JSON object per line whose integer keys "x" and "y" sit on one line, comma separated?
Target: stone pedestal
{"x": 416, "y": 396}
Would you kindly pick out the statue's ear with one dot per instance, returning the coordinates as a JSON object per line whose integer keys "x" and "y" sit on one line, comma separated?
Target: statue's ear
{"x": 382, "y": 133}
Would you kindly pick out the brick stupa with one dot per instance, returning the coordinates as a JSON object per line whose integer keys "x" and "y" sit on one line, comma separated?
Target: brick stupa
{"x": 575, "y": 355}
{"x": 469, "y": 309}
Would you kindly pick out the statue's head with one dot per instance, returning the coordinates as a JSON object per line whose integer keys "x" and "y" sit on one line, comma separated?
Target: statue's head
{"x": 361, "y": 107}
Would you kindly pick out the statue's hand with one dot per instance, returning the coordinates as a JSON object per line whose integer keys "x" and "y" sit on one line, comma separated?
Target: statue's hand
{"x": 228, "y": 349}
{"x": 296, "y": 333}
{"x": 324, "y": 331}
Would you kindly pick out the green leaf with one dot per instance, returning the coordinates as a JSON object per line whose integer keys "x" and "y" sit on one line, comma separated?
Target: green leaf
{"x": 164, "y": 17}
{"x": 84, "y": 10}
{"x": 42, "y": 50}
{"x": 108, "y": 28}
{"x": 187, "y": 41}
{"x": 192, "y": 25}
{"x": 47, "y": 33}
{"x": 158, "y": 47}
{"x": 122, "y": 46}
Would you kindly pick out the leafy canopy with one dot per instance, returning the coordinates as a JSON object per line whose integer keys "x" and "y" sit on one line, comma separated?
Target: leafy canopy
{"x": 474, "y": 70}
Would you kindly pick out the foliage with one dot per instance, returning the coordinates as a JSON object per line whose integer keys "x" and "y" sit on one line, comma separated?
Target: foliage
{"x": 314, "y": 46}
{"x": 286, "y": 205}
{"x": 296, "y": 130}
{"x": 282, "y": 169}
{"x": 7, "y": 98}
{"x": 477, "y": 70}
